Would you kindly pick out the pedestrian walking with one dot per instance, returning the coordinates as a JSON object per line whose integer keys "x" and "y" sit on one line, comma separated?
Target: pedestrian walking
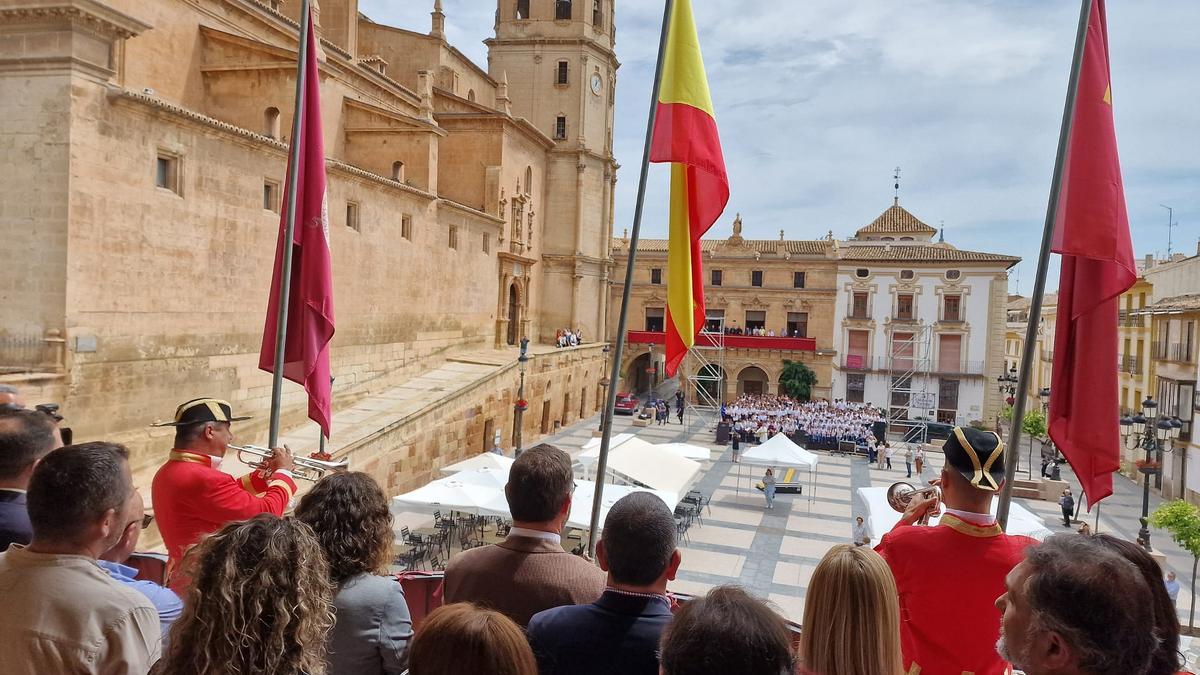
{"x": 919, "y": 461}
{"x": 1067, "y": 502}
{"x": 1047, "y": 458}
{"x": 908, "y": 459}
{"x": 885, "y": 455}
{"x": 769, "y": 488}
{"x": 679, "y": 414}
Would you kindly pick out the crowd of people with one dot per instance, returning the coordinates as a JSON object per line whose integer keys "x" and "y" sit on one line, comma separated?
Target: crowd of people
{"x": 762, "y": 331}
{"x": 254, "y": 591}
{"x": 566, "y": 337}
{"x": 755, "y": 418}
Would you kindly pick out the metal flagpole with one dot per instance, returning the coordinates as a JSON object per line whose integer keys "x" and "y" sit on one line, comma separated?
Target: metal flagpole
{"x": 285, "y": 278}
{"x": 1039, "y": 282}
{"x": 615, "y": 373}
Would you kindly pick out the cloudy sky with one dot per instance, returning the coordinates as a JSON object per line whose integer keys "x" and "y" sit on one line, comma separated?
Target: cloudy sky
{"x": 819, "y": 100}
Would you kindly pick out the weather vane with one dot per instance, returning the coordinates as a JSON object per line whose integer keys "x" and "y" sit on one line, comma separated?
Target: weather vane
{"x": 896, "y": 177}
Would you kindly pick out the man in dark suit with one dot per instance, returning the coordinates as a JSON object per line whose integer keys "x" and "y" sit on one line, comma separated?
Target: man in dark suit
{"x": 529, "y": 571}
{"x": 619, "y": 633}
{"x": 25, "y": 437}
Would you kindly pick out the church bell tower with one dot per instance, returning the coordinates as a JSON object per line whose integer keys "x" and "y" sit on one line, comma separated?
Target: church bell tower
{"x": 557, "y": 58}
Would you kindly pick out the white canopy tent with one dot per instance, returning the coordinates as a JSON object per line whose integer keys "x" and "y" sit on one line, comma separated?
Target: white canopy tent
{"x": 881, "y": 517}
{"x": 591, "y": 452}
{"x": 636, "y": 461}
{"x": 594, "y": 442}
{"x": 467, "y": 491}
{"x": 780, "y": 451}
{"x": 585, "y": 490}
{"x": 487, "y": 460}
{"x": 696, "y": 452}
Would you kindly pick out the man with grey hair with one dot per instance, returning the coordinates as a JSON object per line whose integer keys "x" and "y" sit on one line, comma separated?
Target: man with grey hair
{"x": 619, "y": 633}
{"x": 10, "y": 397}
{"x": 62, "y": 613}
{"x": 1075, "y": 607}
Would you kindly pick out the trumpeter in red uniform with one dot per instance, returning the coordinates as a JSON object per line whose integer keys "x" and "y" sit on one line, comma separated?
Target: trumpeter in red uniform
{"x": 950, "y": 575}
{"x": 193, "y": 497}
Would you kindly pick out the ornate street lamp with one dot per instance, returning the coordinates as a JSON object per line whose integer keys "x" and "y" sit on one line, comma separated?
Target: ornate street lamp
{"x": 1148, "y": 430}
{"x": 522, "y": 405}
{"x": 604, "y": 387}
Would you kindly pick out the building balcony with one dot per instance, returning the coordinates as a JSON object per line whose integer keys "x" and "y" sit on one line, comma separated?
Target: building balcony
{"x": 880, "y": 364}
{"x": 1129, "y": 364}
{"x": 706, "y": 339}
{"x": 1130, "y": 320}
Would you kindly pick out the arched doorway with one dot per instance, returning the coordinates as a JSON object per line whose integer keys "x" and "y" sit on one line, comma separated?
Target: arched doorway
{"x": 637, "y": 380}
{"x": 711, "y": 379}
{"x": 514, "y": 315}
{"x": 752, "y": 380}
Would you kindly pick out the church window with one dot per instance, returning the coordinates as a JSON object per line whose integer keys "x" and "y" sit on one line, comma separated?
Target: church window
{"x": 907, "y": 275}
{"x": 560, "y": 73}
{"x": 756, "y": 278}
{"x": 655, "y": 319}
{"x": 352, "y": 216}
{"x": 560, "y": 127}
{"x": 953, "y": 274}
{"x": 562, "y": 9}
{"x": 522, "y": 9}
{"x": 166, "y": 172}
{"x": 271, "y": 195}
{"x": 716, "y": 277}
{"x": 453, "y": 239}
{"x": 656, "y": 275}
{"x": 398, "y": 171}
{"x": 597, "y": 15}
{"x": 271, "y": 122}
{"x": 406, "y": 227}
{"x": 797, "y": 279}
{"x": 487, "y": 243}
{"x": 862, "y": 273}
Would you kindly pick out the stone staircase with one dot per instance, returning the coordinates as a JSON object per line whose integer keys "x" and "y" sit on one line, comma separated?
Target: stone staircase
{"x": 1027, "y": 489}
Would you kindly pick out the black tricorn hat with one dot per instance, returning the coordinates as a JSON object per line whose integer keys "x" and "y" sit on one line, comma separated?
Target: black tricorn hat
{"x": 978, "y": 455}
{"x": 201, "y": 410}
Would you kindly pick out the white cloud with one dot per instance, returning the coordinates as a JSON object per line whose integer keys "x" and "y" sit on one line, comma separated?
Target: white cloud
{"x": 818, "y": 100}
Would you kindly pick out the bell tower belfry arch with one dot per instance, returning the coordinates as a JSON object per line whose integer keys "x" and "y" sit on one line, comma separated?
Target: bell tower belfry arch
{"x": 557, "y": 58}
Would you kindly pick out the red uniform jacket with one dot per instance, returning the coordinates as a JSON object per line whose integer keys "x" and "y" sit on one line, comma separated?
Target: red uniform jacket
{"x": 949, "y": 577}
{"x": 192, "y": 499}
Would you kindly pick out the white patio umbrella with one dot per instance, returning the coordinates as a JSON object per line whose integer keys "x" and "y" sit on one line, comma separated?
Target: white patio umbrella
{"x": 467, "y": 491}
{"x": 581, "y": 501}
{"x": 489, "y": 460}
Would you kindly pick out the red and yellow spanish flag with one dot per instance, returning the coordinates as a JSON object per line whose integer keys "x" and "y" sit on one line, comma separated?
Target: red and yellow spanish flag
{"x": 685, "y": 134}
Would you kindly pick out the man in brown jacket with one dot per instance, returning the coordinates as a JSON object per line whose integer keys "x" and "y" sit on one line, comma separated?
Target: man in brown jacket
{"x": 529, "y": 571}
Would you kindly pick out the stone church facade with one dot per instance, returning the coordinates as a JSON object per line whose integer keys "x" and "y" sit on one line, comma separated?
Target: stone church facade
{"x": 144, "y": 144}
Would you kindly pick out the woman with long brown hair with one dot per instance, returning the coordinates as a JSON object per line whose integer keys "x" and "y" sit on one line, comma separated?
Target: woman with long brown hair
{"x": 260, "y": 603}
{"x": 851, "y": 616}
{"x": 349, "y": 514}
{"x": 462, "y": 639}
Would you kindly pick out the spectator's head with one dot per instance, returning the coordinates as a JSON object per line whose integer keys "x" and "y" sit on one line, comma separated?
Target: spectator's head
{"x": 260, "y": 602}
{"x": 851, "y": 615}
{"x": 859, "y": 520}
{"x": 1166, "y": 623}
{"x": 1170, "y": 576}
{"x": 637, "y": 545}
{"x": 128, "y": 542}
{"x": 25, "y": 437}
{"x": 1074, "y": 606}
{"x": 462, "y": 638}
{"x": 349, "y": 514}
{"x": 203, "y": 425}
{"x": 539, "y": 487}
{"x": 727, "y": 632}
{"x": 81, "y": 498}
{"x": 10, "y": 397}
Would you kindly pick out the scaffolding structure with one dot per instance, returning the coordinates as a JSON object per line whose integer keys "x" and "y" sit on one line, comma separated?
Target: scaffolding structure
{"x": 704, "y": 386}
{"x": 909, "y": 364}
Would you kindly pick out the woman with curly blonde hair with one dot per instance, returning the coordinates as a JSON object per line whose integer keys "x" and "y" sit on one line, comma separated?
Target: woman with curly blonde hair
{"x": 260, "y": 603}
{"x": 349, "y": 514}
{"x": 851, "y": 616}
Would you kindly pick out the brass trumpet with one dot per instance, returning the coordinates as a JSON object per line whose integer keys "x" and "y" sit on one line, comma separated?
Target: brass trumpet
{"x": 901, "y": 494}
{"x": 307, "y": 468}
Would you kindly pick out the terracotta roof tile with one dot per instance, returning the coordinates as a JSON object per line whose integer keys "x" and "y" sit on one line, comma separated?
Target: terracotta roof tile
{"x": 765, "y": 246}
{"x": 921, "y": 253}
{"x": 896, "y": 220}
{"x": 1190, "y": 301}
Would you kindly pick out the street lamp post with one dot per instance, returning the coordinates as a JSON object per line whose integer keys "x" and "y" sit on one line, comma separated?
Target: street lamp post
{"x": 1148, "y": 430}
{"x": 604, "y": 386}
{"x": 1007, "y": 384}
{"x": 521, "y": 405}
{"x": 652, "y": 371}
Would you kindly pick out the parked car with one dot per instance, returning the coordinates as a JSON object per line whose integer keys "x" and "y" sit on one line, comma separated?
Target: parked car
{"x": 627, "y": 404}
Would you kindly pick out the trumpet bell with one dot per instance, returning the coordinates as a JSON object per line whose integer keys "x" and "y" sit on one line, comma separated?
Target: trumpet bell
{"x": 901, "y": 494}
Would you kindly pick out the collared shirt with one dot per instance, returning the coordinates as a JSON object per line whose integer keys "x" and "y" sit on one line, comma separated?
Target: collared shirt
{"x": 62, "y": 613}
{"x": 983, "y": 519}
{"x": 168, "y": 604}
{"x": 536, "y": 534}
{"x": 1172, "y": 589}
{"x": 861, "y": 533}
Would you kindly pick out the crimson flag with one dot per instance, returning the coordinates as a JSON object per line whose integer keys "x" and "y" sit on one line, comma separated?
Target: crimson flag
{"x": 1092, "y": 234}
{"x": 310, "y": 298}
